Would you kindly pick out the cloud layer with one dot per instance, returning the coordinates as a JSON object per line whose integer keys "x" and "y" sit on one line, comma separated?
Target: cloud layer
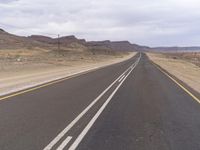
{"x": 147, "y": 22}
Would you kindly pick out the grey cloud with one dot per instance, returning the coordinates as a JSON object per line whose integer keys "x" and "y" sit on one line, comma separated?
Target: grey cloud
{"x": 7, "y": 1}
{"x": 155, "y": 22}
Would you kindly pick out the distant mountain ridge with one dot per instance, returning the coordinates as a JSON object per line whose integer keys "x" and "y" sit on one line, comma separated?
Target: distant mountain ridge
{"x": 97, "y": 45}
{"x": 176, "y": 49}
{"x": 10, "y": 41}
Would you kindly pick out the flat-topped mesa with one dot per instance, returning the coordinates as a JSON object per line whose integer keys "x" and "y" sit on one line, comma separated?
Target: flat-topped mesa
{"x": 122, "y": 45}
{"x": 65, "y": 40}
{"x": 70, "y": 39}
{"x": 98, "y": 42}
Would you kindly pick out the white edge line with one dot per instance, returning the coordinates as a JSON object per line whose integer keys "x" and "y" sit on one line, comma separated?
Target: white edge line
{"x": 92, "y": 121}
{"x": 64, "y": 131}
{"x": 64, "y": 143}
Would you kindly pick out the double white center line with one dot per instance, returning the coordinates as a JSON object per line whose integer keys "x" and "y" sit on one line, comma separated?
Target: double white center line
{"x": 64, "y": 143}
{"x": 120, "y": 79}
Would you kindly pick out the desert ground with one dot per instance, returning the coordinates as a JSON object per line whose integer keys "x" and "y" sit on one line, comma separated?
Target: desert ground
{"x": 21, "y": 69}
{"x": 184, "y": 66}
{"x": 193, "y": 57}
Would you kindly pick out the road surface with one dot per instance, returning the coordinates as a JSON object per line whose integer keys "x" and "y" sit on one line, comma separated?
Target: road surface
{"x": 131, "y": 105}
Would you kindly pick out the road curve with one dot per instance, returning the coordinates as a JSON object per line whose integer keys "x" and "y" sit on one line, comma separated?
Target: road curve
{"x": 126, "y": 106}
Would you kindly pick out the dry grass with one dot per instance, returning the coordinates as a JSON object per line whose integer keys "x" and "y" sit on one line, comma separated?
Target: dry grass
{"x": 181, "y": 68}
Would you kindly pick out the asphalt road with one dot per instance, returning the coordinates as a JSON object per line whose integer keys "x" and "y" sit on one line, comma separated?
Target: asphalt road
{"x": 127, "y": 106}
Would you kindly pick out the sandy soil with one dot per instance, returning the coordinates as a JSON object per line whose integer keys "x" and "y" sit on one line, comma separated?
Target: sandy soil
{"x": 18, "y": 72}
{"x": 186, "y": 71}
{"x": 193, "y": 57}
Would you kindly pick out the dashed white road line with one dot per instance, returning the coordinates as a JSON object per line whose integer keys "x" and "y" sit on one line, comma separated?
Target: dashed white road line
{"x": 63, "y": 132}
{"x": 92, "y": 121}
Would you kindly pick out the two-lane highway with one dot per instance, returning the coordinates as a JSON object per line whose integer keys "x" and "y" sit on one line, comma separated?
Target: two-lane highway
{"x": 129, "y": 105}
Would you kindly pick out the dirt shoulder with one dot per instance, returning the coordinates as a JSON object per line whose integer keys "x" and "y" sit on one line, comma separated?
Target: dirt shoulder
{"x": 186, "y": 71}
{"x": 19, "y": 75}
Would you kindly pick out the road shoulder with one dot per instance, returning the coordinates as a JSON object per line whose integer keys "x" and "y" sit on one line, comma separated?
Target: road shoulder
{"x": 186, "y": 73}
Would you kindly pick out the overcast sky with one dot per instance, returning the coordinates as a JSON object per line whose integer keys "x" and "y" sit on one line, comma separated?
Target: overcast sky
{"x": 147, "y": 22}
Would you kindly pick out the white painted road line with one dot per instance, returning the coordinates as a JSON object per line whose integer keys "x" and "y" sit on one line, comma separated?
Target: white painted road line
{"x": 64, "y": 143}
{"x": 92, "y": 121}
{"x": 121, "y": 78}
{"x": 63, "y": 132}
